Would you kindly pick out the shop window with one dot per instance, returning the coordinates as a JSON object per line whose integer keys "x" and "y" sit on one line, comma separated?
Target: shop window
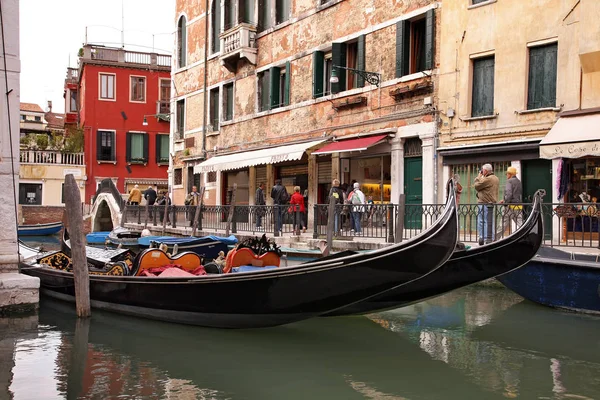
{"x": 30, "y": 194}
{"x": 374, "y": 176}
{"x": 105, "y": 146}
{"x": 177, "y": 176}
{"x": 483, "y": 87}
{"x": 541, "y": 90}
{"x": 180, "y": 119}
{"x": 137, "y": 92}
{"x": 228, "y": 102}
{"x": 415, "y": 44}
{"x": 162, "y": 149}
{"x": 214, "y": 109}
{"x": 211, "y": 177}
{"x": 181, "y": 42}
{"x": 137, "y": 148}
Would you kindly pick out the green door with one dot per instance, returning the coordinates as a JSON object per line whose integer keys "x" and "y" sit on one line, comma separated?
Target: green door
{"x": 537, "y": 174}
{"x": 413, "y": 191}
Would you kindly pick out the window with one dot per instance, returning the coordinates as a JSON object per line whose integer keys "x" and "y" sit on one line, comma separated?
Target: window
{"x": 228, "y": 102}
{"x": 322, "y": 64}
{"x": 214, "y": 109}
{"x": 415, "y": 44}
{"x": 30, "y": 193}
{"x": 22, "y": 117}
{"x": 351, "y": 62}
{"x": 138, "y": 89}
{"x": 162, "y": 149}
{"x": 348, "y": 55}
{"x": 264, "y": 14}
{"x": 180, "y": 119}
{"x": 137, "y": 148}
{"x": 274, "y": 88}
{"x": 483, "y": 87}
{"x": 541, "y": 91}
{"x": 473, "y": 2}
{"x": 165, "y": 97}
{"x": 282, "y": 10}
{"x": 38, "y": 119}
{"x": 72, "y": 100}
{"x": 177, "y": 176}
{"x": 215, "y": 26}
{"x": 107, "y": 87}
{"x": 181, "y": 42}
{"x": 105, "y": 146}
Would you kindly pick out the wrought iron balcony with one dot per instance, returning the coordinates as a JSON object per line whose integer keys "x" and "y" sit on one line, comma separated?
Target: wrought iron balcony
{"x": 238, "y": 42}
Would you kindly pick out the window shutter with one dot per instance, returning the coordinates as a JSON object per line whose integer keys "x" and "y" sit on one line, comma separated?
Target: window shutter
{"x": 483, "y": 87}
{"x": 146, "y": 147}
{"x": 99, "y": 145}
{"x": 318, "y": 65}
{"x": 338, "y": 58}
{"x": 264, "y": 91}
{"x": 429, "y": 39}
{"x": 275, "y": 75}
{"x": 286, "y": 89}
{"x": 402, "y": 48}
{"x": 128, "y": 147}
{"x": 157, "y": 147}
{"x": 541, "y": 90}
{"x": 361, "y": 62}
{"x": 113, "y": 146}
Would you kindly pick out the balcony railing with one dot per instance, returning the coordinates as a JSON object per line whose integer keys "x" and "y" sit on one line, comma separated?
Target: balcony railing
{"x": 109, "y": 54}
{"x": 238, "y": 42}
{"x": 573, "y": 224}
{"x": 51, "y": 157}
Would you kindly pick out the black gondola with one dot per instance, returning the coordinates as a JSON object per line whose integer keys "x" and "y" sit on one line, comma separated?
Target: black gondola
{"x": 464, "y": 268}
{"x": 268, "y": 297}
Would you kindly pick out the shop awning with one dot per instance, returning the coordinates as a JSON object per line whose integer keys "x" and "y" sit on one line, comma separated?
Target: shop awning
{"x": 357, "y": 144}
{"x": 572, "y": 137}
{"x": 271, "y": 155}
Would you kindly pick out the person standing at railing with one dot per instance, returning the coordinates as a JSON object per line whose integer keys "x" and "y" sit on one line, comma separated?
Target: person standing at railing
{"x": 297, "y": 204}
{"x": 357, "y": 201}
{"x": 486, "y": 185}
{"x": 163, "y": 199}
{"x": 280, "y": 197}
{"x": 513, "y": 197}
{"x": 192, "y": 199}
{"x": 259, "y": 200}
{"x": 338, "y": 194}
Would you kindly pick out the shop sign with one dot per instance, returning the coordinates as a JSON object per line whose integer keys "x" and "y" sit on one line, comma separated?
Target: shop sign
{"x": 73, "y": 171}
{"x": 277, "y": 158}
{"x": 570, "y": 150}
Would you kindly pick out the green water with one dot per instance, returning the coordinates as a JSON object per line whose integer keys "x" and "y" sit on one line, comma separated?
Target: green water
{"x": 475, "y": 343}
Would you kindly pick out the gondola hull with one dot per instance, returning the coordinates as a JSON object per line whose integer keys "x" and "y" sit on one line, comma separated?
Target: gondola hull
{"x": 553, "y": 279}
{"x": 40, "y": 229}
{"x": 269, "y": 297}
{"x": 464, "y": 268}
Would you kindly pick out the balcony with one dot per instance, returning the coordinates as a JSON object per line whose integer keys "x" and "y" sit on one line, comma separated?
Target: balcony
{"x": 236, "y": 43}
{"x": 114, "y": 56}
{"x": 51, "y": 157}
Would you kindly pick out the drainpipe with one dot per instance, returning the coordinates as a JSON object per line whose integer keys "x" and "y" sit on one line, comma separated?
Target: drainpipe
{"x": 205, "y": 78}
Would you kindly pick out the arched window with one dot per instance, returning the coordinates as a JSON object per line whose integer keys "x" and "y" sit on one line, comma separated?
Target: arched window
{"x": 216, "y": 26}
{"x": 181, "y": 42}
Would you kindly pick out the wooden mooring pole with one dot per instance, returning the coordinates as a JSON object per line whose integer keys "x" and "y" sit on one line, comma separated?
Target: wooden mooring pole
{"x": 80, "y": 268}
{"x": 330, "y": 226}
{"x": 231, "y": 210}
{"x": 400, "y": 219}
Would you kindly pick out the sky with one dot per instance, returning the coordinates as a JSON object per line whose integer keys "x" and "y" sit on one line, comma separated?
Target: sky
{"x": 52, "y": 31}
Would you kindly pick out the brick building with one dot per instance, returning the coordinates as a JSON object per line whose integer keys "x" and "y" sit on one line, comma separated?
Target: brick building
{"x": 255, "y": 100}
{"x": 121, "y": 100}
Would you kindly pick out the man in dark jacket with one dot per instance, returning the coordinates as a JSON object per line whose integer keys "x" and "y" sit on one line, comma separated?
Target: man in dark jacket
{"x": 280, "y": 197}
{"x": 513, "y": 197}
{"x": 150, "y": 195}
{"x": 338, "y": 194}
{"x": 259, "y": 200}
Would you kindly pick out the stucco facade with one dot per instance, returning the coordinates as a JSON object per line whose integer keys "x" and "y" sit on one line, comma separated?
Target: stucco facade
{"x": 399, "y": 108}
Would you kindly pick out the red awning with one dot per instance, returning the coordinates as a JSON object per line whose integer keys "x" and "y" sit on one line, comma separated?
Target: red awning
{"x": 357, "y": 144}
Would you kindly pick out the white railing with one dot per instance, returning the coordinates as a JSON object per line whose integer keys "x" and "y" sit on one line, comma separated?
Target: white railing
{"x": 240, "y": 39}
{"x": 51, "y": 157}
{"x": 124, "y": 56}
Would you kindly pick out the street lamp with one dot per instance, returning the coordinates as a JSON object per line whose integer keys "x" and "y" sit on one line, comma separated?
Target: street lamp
{"x": 372, "y": 77}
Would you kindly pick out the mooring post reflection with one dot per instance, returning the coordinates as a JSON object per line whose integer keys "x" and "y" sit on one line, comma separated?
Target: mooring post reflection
{"x": 78, "y": 358}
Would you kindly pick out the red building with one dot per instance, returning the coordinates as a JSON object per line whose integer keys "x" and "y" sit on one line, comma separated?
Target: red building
{"x": 123, "y": 108}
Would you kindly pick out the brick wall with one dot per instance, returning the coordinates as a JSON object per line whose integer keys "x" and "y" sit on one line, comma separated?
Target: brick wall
{"x": 46, "y": 214}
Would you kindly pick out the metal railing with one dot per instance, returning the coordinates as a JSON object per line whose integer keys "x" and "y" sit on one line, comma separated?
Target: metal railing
{"x": 571, "y": 224}
{"x": 51, "y": 157}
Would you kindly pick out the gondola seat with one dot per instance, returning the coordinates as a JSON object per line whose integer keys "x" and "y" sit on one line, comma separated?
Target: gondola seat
{"x": 245, "y": 256}
{"x": 155, "y": 258}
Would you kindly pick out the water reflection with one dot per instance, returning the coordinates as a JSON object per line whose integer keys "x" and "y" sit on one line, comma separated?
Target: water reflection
{"x": 45, "y": 243}
{"x": 468, "y": 344}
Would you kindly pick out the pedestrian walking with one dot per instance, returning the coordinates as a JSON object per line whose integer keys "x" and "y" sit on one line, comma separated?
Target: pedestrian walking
{"x": 338, "y": 194}
{"x": 260, "y": 202}
{"x": 135, "y": 196}
{"x": 280, "y": 198}
{"x": 297, "y": 204}
{"x": 357, "y": 201}
{"x": 486, "y": 184}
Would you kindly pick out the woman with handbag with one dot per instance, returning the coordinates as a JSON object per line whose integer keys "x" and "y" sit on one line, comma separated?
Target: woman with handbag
{"x": 297, "y": 204}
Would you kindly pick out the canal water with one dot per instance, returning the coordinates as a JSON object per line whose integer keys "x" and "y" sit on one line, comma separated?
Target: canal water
{"x": 474, "y": 343}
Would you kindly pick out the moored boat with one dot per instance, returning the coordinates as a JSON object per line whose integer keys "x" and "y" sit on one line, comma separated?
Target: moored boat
{"x": 51, "y": 228}
{"x": 265, "y": 296}
{"x": 464, "y": 267}
{"x": 559, "y": 279}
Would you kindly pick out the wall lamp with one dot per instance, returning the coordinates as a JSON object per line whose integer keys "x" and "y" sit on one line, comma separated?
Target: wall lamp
{"x": 372, "y": 77}
{"x": 163, "y": 117}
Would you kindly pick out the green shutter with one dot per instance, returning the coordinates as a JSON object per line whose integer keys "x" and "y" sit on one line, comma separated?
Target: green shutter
{"x": 402, "y": 48}
{"x": 429, "y": 39}
{"x": 286, "y": 89}
{"x": 128, "y": 147}
{"x": 157, "y": 147}
{"x": 216, "y": 26}
{"x": 541, "y": 91}
{"x": 275, "y": 76}
{"x": 146, "y": 151}
{"x": 264, "y": 91}
{"x": 318, "y": 65}
{"x": 338, "y": 58}
{"x": 483, "y": 87}
{"x": 361, "y": 62}
{"x": 99, "y": 145}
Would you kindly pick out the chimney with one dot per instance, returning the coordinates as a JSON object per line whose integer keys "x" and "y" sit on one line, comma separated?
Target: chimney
{"x": 49, "y": 105}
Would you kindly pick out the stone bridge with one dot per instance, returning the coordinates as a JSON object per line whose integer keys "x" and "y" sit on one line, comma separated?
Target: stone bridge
{"x": 107, "y": 209}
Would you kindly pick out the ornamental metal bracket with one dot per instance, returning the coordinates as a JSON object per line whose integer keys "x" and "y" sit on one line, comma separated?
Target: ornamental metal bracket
{"x": 372, "y": 77}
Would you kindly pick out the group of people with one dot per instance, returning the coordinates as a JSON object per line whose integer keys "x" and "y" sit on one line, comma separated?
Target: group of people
{"x": 487, "y": 187}
{"x": 294, "y": 205}
{"x": 151, "y": 196}
{"x": 354, "y": 198}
